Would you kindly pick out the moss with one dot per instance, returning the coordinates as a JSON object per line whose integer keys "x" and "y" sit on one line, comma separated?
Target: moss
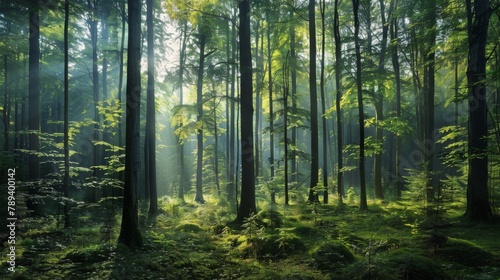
{"x": 466, "y": 253}
{"x": 305, "y": 231}
{"x": 270, "y": 218}
{"x": 331, "y": 255}
{"x": 271, "y": 246}
{"x": 97, "y": 253}
{"x": 189, "y": 227}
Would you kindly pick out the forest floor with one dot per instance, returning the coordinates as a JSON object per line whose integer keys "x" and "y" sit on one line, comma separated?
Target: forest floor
{"x": 301, "y": 241}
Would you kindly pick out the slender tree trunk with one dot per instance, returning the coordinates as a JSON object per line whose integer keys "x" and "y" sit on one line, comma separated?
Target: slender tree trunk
{"x": 271, "y": 107}
{"x": 130, "y": 234}
{"x": 228, "y": 102}
{"x": 379, "y": 103}
{"x": 120, "y": 76}
{"x": 293, "y": 61}
{"x": 105, "y": 12}
{"x": 247, "y": 206}
{"x": 92, "y": 5}
{"x": 429, "y": 64}
{"x": 313, "y": 97}
{"x": 216, "y": 150}
{"x": 182, "y": 62}
{"x": 478, "y": 202}
{"x": 323, "y": 105}
{"x": 363, "y": 204}
{"x": 151, "y": 113}
{"x": 257, "y": 100}
{"x": 33, "y": 104}
{"x": 66, "y": 181}
{"x": 231, "y": 186}
{"x": 199, "y": 103}
{"x": 286, "y": 71}
{"x": 338, "y": 88}
{"x": 395, "y": 65}
{"x": 6, "y": 111}
{"x": 34, "y": 92}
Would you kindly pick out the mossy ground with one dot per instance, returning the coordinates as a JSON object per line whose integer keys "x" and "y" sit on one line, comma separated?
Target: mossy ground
{"x": 301, "y": 241}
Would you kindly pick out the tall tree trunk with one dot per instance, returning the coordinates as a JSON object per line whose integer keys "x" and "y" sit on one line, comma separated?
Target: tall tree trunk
{"x": 151, "y": 113}
{"x": 286, "y": 73}
{"x": 293, "y": 61}
{"x": 379, "y": 103}
{"x": 66, "y": 180}
{"x": 323, "y": 104}
{"x": 313, "y": 98}
{"x": 105, "y": 13}
{"x": 6, "y": 111}
{"x": 92, "y": 5}
{"x": 258, "y": 101}
{"x": 199, "y": 103}
{"x": 478, "y": 203}
{"x": 216, "y": 150}
{"x": 33, "y": 104}
{"x": 228, "y": 102}
{"x": 34, "y": 92}
{"x": 231, "y": 186}
{"x": 247, "y": 205}
{"x": 429, "y": 92}
{"x": 182, "y": 63}
{"x": 130, "y": 234}
{"x": 120, "y": 76}
{"x": 361, "y": 119}
{"x": 395, "y": 65}
{"x": 338, "y": 88}
{"x": 271, "y": 107}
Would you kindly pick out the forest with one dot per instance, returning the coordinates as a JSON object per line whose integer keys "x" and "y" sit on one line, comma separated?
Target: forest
{"x": 265, "y": 139}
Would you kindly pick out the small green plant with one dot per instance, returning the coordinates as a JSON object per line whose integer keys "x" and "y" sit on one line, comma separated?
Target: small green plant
{"x": 351, "y": 195}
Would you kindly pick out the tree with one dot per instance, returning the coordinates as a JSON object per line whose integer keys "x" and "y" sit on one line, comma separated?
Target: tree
{"x": 247, "y": 205}
{"x": 182, "y": 63}
{"x": 93, "y": 21}
{"x": 323, "y": 104}
{"x": 338, "y": 88}
{"x": 271, "y": 107}
{"x": 397, "y": 76}
{"x": 478, "y": 204}
{"x": 199, "y": 103}
{"x": 361, "y": 119}
{"x": 150, "y": 114}
{"x": 379, "y": 103}
{"x": 66, "y": 180}
{"x": 34, "y": 91}
{"x": 130, "y": 234}
{"x": 313, "y": 99}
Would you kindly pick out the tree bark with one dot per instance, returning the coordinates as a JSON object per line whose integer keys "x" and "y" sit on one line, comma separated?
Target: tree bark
{"x": 182, "y": 63}
{"x": 338, "y": 88}
{"x": 92, "y": 5}
{"x": 397, "y": 76}
{"x": 130, "y": 234}
{"x": 361, "y": 119}
{"x": 271, "y": 107}
{"x": 199, "y": 118}
{"x": 34, "y": 92}
{"x": 478, "y": 203}
{"x": 313, "y": 99}
{"x": 323, "y": 105}
{"x": 66, "y": 180}
{"x": 247, "y": 205}
{"x": 151, "y": 113}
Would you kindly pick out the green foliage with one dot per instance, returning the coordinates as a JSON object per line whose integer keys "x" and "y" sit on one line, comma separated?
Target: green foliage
{"x": 351, "y": 195}
{"x": 331, "y": 255}
{"x": 189, "y": 227}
